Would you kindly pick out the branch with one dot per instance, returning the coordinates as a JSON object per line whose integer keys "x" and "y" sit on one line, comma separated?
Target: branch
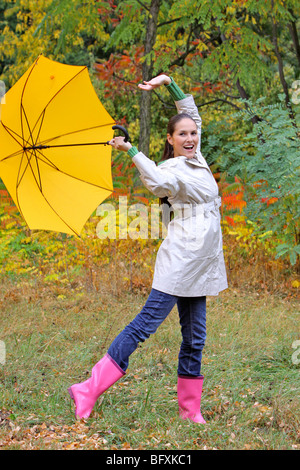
{"x": 230, "y": 96}
{"x": 169, "y": 105}
{"x": 168, "y": 22}
{"x": 223, "y": 101}
{"x": 143, "y": 5}
{"x": 123, "y": 79}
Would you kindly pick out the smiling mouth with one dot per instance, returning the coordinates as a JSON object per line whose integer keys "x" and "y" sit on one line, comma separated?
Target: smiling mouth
{"x": 188, "y": 147}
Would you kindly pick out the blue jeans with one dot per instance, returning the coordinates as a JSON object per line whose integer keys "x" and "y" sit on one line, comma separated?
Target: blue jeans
{"x": 192, "y": 317}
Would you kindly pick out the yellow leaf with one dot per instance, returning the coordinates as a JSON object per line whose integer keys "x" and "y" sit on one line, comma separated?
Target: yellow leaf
{"x": 230, "y": 10}
{"x": 296, "y": 284}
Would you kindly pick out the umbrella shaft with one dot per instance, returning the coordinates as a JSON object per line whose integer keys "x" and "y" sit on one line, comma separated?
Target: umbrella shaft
{"x": 42, "y": 147}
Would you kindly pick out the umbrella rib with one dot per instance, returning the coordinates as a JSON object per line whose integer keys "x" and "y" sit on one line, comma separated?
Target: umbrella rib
{"x": 46, "y": 161}
{"x": 33, "y": 174}
{"x": 61, "y": 171}
{"x": 21, "y": 101}
{"x": 28, "y": 158}
{"x": 87, "y": 182}
{"x": 16, "y": 154}
{"x": 17, "y": 195}
{"x": 42, "y": 120}
{"x": 38, "y": 169}
{"x": 34, "y": 153}
{"x": 39, "y": 183}
{"x": 19, "y": 179}
{"x": 27, "y": 122}
{"x": 83, "y": 181}
{"x": 44, "y": 110}
{"x": 58, "y": 214}
{"x": 45, "y": 142}
{"x": 52, "y": 208}
{"x": 11, "y": 132}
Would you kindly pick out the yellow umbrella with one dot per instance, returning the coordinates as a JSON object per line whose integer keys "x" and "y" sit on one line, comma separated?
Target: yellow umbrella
{"x": 51, "y": 124}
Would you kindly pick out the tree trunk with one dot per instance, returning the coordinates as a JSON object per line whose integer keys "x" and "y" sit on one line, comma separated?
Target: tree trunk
{"x": 244, "y": 95}
{"x": 145, "y": 101}
{"x": 281, "y": 71}
{"x": 294, "y": 35}
{"x": 280, "y": 63}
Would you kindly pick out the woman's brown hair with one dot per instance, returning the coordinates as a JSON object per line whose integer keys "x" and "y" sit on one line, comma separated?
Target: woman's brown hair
{"x": 169, "y": 151}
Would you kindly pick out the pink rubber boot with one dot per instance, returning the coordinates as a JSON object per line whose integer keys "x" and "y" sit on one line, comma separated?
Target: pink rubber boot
{"x": 85, "y": 394}
{"x": 189, "y": 391}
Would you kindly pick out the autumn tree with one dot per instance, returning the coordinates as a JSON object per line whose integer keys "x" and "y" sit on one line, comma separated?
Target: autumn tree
{"x": 229, "y": 54}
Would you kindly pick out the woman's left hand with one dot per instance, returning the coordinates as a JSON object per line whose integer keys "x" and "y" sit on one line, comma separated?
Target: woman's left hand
{"x": 155, "y": 82}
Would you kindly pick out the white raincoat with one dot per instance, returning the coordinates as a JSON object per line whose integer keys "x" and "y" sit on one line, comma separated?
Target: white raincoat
{"x": 190, "y": 260}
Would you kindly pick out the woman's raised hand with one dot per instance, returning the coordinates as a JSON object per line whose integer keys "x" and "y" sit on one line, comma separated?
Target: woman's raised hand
{"x": 155, "y": 82}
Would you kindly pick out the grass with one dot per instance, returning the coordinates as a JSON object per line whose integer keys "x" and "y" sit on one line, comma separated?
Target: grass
{"x": 54, "y": 334}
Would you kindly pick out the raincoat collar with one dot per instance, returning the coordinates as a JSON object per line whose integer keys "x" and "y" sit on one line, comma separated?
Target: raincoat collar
{"x": 198, "y": 160}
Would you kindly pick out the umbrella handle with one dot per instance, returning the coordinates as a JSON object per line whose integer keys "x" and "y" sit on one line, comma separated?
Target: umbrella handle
{"x": 122, "y": 129}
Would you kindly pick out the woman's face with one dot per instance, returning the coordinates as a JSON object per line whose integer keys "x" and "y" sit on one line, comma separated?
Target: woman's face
{"x": 184, "y": 138}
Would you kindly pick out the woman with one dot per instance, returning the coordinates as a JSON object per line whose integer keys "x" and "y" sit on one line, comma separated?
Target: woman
{"x": 189, "y": 264}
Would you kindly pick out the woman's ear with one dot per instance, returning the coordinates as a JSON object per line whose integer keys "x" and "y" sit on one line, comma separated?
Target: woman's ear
{"x": 170, "y": 139}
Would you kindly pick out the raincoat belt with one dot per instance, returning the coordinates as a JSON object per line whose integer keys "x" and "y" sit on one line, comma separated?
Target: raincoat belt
{"x": 192, "y": 210}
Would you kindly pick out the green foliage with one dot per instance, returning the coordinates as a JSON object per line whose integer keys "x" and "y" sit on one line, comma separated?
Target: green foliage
{"x": 208, "y": 47}
{"x": 268, "y": 162}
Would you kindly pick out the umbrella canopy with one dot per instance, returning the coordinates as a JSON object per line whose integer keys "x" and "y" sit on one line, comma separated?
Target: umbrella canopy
{"x": 51, "y": 126}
